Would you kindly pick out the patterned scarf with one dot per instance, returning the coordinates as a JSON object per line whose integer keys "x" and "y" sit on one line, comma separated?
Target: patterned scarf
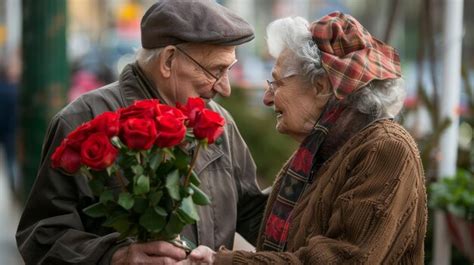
{"x": 297, "y": 177}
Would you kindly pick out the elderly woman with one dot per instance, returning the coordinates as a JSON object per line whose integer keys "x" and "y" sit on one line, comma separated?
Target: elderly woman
{"x": 353, "y": 193}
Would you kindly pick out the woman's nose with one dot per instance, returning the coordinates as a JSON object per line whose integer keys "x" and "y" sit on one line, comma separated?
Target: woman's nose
{"x": 268, "y": 98}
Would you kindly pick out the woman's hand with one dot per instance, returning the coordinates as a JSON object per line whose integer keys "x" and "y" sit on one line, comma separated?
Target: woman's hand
{"x": 200, "y": 255}
{"x": 156, "y": 252}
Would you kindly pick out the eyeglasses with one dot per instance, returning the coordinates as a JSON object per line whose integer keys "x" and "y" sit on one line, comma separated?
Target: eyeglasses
{"x": 273, "y": 85}
{"x": 217, "y": 77}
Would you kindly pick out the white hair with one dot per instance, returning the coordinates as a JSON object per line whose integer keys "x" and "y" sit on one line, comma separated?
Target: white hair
{"x": 380, "y": 97}
{"x": 146, "y": 56}
{"x": 293, "y": 33}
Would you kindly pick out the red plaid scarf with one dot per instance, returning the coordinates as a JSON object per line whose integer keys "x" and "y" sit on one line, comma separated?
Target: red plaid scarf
{"x": 350, "y": 55}
{"x": 295, "y": 179}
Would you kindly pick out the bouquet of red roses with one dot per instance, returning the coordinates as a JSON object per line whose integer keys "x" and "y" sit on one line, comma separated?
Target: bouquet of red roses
{"x": 141, "y": 150}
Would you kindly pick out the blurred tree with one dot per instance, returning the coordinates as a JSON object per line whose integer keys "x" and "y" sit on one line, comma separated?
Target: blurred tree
{"x": 44, "y": 80}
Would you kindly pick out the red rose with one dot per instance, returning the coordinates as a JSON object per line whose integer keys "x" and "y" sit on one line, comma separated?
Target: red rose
{"x": 97, "y": 152}
{"x": 191, "y": 109}
{"x": 107, "y": 122}
{"x": 79, "y": 135}
{"x": 168, "y": 110}
{"x": 171, "y": 130}
{"x": 148, "y": 108}
{"x": 66, "y": 157}
{"x": 138, "y": 133}
{"x": 209, "y": 125}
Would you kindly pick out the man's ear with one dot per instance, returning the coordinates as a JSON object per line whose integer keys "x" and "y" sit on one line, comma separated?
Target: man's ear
{"x": 165, "y": 60}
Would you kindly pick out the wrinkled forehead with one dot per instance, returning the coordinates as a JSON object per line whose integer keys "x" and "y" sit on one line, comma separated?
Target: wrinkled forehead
{"x": 285, "y": 64}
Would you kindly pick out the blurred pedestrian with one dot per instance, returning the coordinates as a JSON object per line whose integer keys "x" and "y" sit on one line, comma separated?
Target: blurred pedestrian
{"x": 8, "y": 121}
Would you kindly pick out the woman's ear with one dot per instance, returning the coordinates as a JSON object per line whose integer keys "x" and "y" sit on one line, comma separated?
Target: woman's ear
{"x": 165, "y": 60}
{"x": 323, "y": 85}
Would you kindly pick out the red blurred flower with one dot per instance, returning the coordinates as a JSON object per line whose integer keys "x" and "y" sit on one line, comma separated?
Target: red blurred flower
{"x": 191, "y": 109}
{"x": 66, "y": 157}
{"x": 138, "y": 133}
{"x": 148, "y": 108}
{"x": 107, "y": 122}
{"x": 209, "y": 125}
{"x": 168, "y": 110}
{"x": 79, "y": 135}
{"x": 171, "y": 130}
{"x": 97, "y": 152}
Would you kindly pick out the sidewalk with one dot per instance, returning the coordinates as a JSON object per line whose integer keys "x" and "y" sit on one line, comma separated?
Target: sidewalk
{"x": 9, "y": 216}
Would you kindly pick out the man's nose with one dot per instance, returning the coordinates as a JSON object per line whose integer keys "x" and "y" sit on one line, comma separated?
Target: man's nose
{"x": 223, "y": 86}
{"x": 268, "y": 98}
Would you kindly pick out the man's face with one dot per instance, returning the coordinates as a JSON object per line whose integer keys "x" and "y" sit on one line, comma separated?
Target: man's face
{"x": 202, "y": 71}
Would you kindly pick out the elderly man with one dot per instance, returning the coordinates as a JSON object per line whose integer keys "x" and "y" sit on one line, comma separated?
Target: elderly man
{"x": 188, "y": 49}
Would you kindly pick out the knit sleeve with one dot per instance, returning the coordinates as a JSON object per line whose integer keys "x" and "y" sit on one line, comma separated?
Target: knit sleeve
{"x": 373, "y": 218}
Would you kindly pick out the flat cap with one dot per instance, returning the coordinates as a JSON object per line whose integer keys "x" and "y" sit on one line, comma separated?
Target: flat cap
{"x": 170, "y": 22}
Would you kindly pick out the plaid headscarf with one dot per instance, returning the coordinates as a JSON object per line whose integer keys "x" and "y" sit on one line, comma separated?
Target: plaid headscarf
{"x": 352, "y": 58}
{"x": 350, "y": 55}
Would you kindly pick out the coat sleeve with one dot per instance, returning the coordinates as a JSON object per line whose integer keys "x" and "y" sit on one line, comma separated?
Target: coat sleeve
{"x": 251, "y": 200}
{"x": 52, "y": 228}
{"x": 373, "y": 217}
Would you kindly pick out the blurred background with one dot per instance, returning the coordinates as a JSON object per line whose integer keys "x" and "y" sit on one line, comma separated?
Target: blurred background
{"x": 51, "y": 51}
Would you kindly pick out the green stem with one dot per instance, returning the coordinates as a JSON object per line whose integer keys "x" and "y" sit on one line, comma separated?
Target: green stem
{"x": 118, "y": 176}
{"x": 193, "y": 161}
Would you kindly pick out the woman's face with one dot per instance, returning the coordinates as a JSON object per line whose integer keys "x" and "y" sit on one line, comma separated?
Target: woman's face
{"x": 296, "y": 103}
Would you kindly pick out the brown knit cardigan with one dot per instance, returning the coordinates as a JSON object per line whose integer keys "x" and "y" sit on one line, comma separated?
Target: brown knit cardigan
{"x": 366, "y": 206}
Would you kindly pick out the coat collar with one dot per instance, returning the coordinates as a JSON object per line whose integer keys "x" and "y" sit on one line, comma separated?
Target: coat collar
{"x": 136, "y": 86}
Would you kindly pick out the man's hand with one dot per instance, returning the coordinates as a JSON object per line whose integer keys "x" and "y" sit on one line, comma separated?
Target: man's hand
{"x": 200, "y": 255}
{"x": 156, "y": 252}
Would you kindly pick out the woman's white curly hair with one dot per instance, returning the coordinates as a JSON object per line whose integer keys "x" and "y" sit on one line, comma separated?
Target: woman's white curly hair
{"x": 380, "y": 98}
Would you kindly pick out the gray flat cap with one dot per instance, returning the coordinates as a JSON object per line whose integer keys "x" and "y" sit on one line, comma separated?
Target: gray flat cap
{"x": 170, "y": 22}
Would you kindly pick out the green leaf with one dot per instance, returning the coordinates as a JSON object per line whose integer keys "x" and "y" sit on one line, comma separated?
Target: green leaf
{"x": 117, "y": 143}
{"x": 95, "y": 210}
{"x": 126, "y": 200}
{"x": 110, "y": 170}
{"x": 97, "y": 186}
{"x": 106, "y": 196}
{"x": 140, "y": 205}
{"x": 152, "y": 221}
{"x": 172, "y": 184}
{"x": 155, "y": 160}
{"x": 194, "y": 179}
{"x": 199, "y": 197}
{"x": 155, "y": 197}
{"x": 137, "y": 170}
{"x": 86, "y": 172}
{"x": 184, "y": 217}
{"x": 119, "y": 222}
{"x": 142, "y": 185}
{"x": 182, "y": 160}
{"x": 160, "y": 211}
{"x": 189, "y": 209}
{"x": 175, "y": 225}
{"x": 169, "y": 155}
